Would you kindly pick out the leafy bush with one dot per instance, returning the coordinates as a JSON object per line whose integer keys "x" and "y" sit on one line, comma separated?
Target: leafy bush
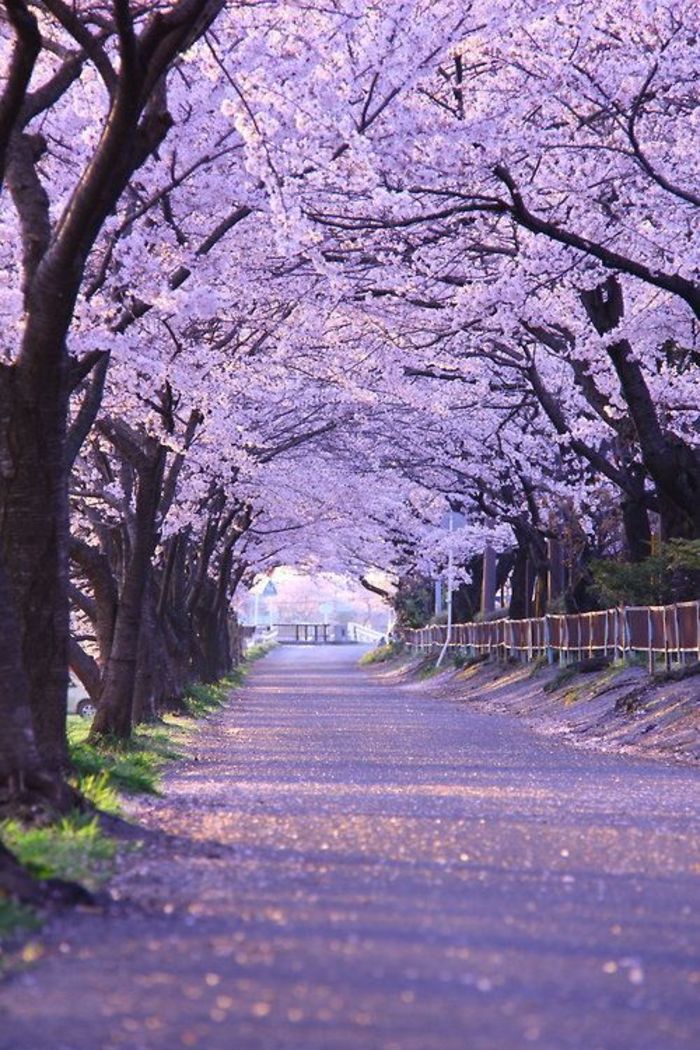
{"x": 653, "y": 581}
{"x": 633, "y": 583}
{"x": 382, "y": 653}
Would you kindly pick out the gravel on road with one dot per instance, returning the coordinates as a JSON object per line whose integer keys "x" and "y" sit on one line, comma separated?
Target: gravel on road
{"x": 350, "y": 865}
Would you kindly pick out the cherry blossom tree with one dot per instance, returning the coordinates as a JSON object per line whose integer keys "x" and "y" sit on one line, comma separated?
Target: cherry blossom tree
{"x": 290, "y": 289}
{"x": 86, "y": 94}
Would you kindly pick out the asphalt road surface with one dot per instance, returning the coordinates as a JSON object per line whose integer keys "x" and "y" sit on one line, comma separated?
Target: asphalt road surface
{"x": 361, "y": 866}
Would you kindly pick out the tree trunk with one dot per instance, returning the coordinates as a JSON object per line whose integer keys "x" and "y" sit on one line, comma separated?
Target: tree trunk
{"x": 114, "y": 715}
{"x": 33, "y": 542}
{"x": 673, "y": 465}
{"x": 466, "y": 599}
{"x": 147, "y": 671}
{"x": 635, "y": 518}
{"x": 520, "y": 586}
{"x": 23, "y": 775}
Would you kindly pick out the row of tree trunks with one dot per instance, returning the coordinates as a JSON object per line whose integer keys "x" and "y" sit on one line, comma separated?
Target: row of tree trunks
{"x": 160, "y": 614}
{"x": 35, "y": 388}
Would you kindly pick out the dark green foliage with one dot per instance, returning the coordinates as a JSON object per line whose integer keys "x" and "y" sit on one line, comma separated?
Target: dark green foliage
{"x": 654, "y": 581}
{"x": 632, "y": 583}
{"x": 683, "y": 554}
{"x": 413, "y": 601}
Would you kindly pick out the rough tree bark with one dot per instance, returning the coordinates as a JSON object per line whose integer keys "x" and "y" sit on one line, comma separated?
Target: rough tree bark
{"x": 34, "y": 390}
{"x": 114, "y": 716}
{"x": 673, "y": 465}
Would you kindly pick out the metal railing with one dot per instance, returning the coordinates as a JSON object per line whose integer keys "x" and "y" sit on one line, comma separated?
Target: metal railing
{"x": 662, "y": 632}
{"x": 360, "y": 632}
{"x": 263, "y": 634}
{"x": 304, "y": 633}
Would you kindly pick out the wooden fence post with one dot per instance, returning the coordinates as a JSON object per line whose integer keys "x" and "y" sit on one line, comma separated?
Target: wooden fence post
{"x": 548, "y": 640}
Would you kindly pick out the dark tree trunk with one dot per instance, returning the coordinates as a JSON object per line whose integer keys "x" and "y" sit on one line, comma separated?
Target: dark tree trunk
{"x": 33, "y": 539}
{"x": 521, "y": 586}
{"x": 144, "y": 706}
{"x": 114, "y": 715}
{"x": 673, "y": 465}
{"x": 466, "y": 599}
{"x": 95, "y": 566}
{"x": 635, "y": 519}
{"x": 23, "y": 773}
{"x": 85, "y": 669}
{"x": 174, "y": 667}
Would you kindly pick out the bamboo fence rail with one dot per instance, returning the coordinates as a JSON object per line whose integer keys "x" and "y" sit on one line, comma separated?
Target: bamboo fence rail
{"x": 668, "y": 633}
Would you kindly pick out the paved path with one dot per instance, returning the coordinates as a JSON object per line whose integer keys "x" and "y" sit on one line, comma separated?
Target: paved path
{"x": 369, "y": 868}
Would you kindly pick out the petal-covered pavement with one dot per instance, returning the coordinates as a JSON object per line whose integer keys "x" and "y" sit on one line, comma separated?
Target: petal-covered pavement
{"x": 354, "y": 865}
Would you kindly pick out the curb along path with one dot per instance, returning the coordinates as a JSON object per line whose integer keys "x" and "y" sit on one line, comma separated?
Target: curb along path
{"x": 363, "y": 867}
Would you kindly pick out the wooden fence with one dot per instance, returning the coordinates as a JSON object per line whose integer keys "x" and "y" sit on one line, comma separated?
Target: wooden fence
{"x": 668, "y": 633}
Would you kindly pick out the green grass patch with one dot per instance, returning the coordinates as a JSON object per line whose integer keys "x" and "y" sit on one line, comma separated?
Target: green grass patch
{"x": 381, "y": 654}
{"x": 133, "y": 766}
{"x": 256, "y": 652}
{"x": 75, "y": 849}
{"x": 202, "y": 700}
{"x": 15, "y": 919}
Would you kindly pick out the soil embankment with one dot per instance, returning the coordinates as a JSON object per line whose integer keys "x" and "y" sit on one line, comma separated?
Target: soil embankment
{"x": 619, "y": 708}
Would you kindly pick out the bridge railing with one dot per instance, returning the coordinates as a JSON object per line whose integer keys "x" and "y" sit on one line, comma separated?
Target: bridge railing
{"x": 304, "y": 633}
{"x": 360, "y": 632}
{"x": 665, "y": 633}
{"x": 263, "y": 634}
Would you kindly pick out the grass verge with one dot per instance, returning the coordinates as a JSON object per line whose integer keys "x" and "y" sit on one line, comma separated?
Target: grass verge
{"x": 128, "y": 767}
{"x": 134, "y": 766}
{"x": 75, "y": 848}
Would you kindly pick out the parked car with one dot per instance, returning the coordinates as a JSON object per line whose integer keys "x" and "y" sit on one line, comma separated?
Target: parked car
{"x": 79, "y": 702}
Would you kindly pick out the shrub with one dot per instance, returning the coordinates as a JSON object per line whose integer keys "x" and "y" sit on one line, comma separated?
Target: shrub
{"x": 382, "y": 653}
{"x": 653, "y": 581}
